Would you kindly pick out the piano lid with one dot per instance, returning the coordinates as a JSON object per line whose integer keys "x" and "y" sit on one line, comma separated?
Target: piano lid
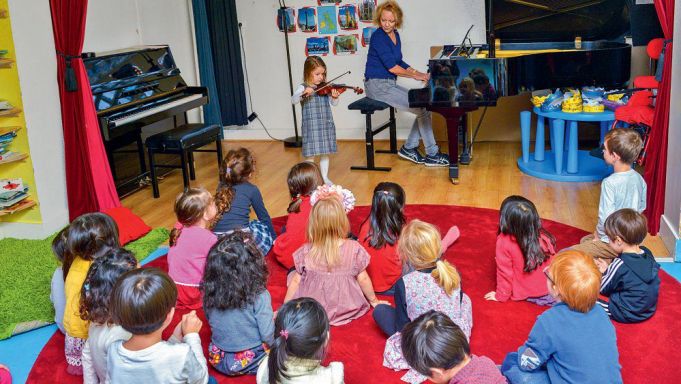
{"x": 559, "y": 20}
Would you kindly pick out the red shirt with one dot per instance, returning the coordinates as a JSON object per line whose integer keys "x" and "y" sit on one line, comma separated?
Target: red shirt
{"x": 385, "y": 266}
{"x": 294, "y": 237}
{"x": 512, "y": 282}
{"x": 480, "y": 370}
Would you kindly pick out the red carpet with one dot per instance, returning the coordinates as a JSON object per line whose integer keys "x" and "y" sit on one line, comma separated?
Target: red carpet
{"x": 647, "y": 350}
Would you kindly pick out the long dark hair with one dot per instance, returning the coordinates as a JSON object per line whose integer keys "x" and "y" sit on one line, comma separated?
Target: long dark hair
{"x": 236, "y": 168}
{"x": 190, "y": 206}
{"x": 301, "y": 330}
{"x": 433, "y": 340}
{"x": 387, "y": 217}
{"x": 235, "y": 273}
{"x": 303, "y": 179}
{"x": 90, "y": 236}
{"x": 103, "y": 274}
{"x": 60, "y": 246}
{"x": 518, "y": 217}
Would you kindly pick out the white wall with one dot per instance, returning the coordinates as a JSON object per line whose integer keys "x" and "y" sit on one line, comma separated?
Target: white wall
{"x": 37, "y": 65}
{"x": 669, "y": 226}
{"x": 266, "y": 59}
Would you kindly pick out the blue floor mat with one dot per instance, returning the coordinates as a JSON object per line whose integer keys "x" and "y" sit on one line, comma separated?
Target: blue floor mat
{"x": 20, "y": 352}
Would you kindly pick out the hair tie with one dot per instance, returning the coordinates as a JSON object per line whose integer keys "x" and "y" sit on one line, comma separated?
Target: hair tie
{"x": 284, "y": 333}
{"x": 384, "y": 192}
{"x": 86, "y": 287}
{"x": 228, "y": 169}
{"x": 178, "y": 225}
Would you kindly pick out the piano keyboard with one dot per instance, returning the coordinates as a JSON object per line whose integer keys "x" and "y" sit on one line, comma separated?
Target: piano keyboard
{"x": 128, "y": 118}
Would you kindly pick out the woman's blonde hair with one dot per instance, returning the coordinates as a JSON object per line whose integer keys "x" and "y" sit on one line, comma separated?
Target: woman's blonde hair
{"x": 420, "y": 244}
{"x": 390, "y": 6}
{"x": 576, "y": 279}
{"x": 312, "y": 63}
{"x": 327, "y": 225}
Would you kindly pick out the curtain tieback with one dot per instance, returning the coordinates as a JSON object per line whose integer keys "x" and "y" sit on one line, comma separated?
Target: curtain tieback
{"x": 70, "y": 81}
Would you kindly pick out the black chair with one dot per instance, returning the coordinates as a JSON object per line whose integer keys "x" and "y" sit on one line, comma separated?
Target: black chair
{"x": 367, "y": 107}
{"x": 184, "y": 141}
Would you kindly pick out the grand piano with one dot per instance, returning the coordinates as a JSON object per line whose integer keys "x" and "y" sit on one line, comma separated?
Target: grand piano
{"x": 132, "y": 89}
{"x": 531, "y": 45}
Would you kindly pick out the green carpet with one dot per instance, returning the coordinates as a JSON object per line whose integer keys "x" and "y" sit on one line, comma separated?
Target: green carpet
{"x": 26, "y": 268}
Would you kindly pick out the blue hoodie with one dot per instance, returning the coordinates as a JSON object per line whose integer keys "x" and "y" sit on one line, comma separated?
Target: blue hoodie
{"x": 632, "y": 283}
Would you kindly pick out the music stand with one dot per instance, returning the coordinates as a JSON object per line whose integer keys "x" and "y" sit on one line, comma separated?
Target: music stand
{"x": 294, "y": 141}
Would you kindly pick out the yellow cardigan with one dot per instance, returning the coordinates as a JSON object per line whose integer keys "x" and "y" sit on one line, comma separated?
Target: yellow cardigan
{"x": 73, "y": 324}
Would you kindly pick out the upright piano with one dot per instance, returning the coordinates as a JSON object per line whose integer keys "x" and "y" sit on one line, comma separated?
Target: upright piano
{"x": 132, "y": 89}
{"x": 531, "y": 45}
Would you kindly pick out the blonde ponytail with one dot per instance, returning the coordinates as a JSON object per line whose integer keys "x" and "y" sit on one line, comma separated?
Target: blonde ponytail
{"x": 446, "y": 276}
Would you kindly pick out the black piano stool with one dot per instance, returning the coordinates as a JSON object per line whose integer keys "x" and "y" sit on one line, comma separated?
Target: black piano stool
{"x": 368, "y": 106}
{"x": 184, "y": 141}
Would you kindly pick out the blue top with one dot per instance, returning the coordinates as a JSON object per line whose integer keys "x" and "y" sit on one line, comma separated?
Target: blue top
{"x": 574, "y": 347}
{"x": 383, "y": 55}
{"x": 239, "y": 329}
{"x": 246, "y": 195}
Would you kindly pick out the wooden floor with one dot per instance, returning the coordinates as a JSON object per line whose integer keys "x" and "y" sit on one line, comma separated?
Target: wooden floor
{"x": 491, "y": 177}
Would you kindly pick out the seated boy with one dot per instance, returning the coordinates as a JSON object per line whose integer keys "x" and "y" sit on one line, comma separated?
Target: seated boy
{"x": 631, "y": 280}
{"x": 574, "y": 341}
{"x": 143, "y": 303}
{"x": 625, "y": 188}
{"x": 436, "y": 347}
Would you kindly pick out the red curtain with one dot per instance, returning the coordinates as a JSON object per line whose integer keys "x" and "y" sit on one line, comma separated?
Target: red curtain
{"x": 89, "y": 184}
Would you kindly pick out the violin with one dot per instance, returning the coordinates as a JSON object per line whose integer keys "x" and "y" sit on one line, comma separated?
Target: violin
{"x": 326, "y": 88}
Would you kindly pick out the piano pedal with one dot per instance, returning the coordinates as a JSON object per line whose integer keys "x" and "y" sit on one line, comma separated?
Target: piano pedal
{"x": 146, "y": 181}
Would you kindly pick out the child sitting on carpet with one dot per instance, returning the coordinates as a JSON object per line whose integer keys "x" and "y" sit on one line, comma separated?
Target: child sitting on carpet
{"x": 631, "y": 281}
{"x": 332, "y": 268}
{"x": 302, "y": 340}
{"x": 143, "y": 303}
{"x": 236, "y": 195}
{"x": 303, "y": 179}
{"x": 379, "y": 234}
{"x": 190, "y": 242}
{"x": 90, "y": 236}
{"x": 436, "y": 348}
{"x": 574, "y": 341}
{"x": 524, "y": 249}
{"x": 59, "y": 248}
{"x": 237, "y": 305}
{"x": 95, "y": 298}
{"x": 435, "y": 284}
{"x": 625, "y": 188}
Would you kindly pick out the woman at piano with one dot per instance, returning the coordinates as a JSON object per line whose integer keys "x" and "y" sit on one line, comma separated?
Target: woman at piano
{"x": 384, "y": 64}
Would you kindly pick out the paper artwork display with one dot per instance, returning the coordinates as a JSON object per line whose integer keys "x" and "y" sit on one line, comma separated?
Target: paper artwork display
{"x": 307, "y": 19}
{"x": 366, "y": 35}
{"x": 334, "y": 2}
{"x": 327, "y": 20}
{"x": 347, "y": 17}
{"x": 318, "y": 46}
{"x": 288, "y": 16}
{"x": 344, "y": 44}
{"x": 366, "y": 10}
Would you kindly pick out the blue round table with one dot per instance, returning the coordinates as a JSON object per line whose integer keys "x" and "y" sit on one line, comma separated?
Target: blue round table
{"x": 549, "y": 164}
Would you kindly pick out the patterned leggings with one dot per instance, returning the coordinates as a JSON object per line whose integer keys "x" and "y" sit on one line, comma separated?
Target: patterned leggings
{"x": 73, "y": 349}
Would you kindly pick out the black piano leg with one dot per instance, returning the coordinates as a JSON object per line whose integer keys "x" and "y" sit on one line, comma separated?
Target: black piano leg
{"x": 192, "y": 171}
{"x": 218, "y": 147}
{"x": 453, "y": 142}
{"x": 183, "y": 162}
{"x": 140, "y": 154}
{"x": 152, "y": 169}
{"x": 465, "y": 158}
{"x": 110, "y": 157}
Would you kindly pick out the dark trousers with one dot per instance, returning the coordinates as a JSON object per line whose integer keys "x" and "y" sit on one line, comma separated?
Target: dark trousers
{"x": 384, "y": 316}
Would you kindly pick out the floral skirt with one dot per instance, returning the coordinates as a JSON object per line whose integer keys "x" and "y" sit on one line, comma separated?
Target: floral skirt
{"x": 73, "y": 350}
{"x": 237, "y": 363}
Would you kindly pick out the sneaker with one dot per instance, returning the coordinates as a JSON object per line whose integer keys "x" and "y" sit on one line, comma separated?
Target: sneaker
{"x": 412, "y": 155}
{"x": 437, "y": 160}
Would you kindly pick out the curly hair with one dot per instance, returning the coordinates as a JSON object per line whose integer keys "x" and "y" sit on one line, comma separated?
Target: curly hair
{"x": 103, "y": 274}
{"x": 235, "y": 273}
{"x": 236, "y": 168}
{"x": 190, "y": 206}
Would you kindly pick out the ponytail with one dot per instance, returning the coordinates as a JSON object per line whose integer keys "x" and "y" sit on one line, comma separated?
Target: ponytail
{"x": 174, "y": 235}
{"x": 294, "y": 206}
{"x": 277, "y": 360}
{"x": 446, "y": 276}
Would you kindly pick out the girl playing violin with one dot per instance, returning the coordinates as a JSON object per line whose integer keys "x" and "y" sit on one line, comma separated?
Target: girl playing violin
{"x": 319, "y": 131}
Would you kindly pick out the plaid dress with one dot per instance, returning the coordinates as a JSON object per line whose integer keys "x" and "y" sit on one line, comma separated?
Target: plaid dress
{"x": 319, "y": 131}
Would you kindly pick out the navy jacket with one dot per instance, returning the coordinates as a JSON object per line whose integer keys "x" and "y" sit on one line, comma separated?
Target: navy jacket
{"x": 632, "y": 283}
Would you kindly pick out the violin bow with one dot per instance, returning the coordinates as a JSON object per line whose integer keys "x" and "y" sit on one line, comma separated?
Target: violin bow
{"x": 328, "y": 83}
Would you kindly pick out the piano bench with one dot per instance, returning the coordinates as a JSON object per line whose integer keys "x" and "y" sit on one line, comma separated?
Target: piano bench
{"x": 367, "y": 107}
{"x": 184, "y": 141}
